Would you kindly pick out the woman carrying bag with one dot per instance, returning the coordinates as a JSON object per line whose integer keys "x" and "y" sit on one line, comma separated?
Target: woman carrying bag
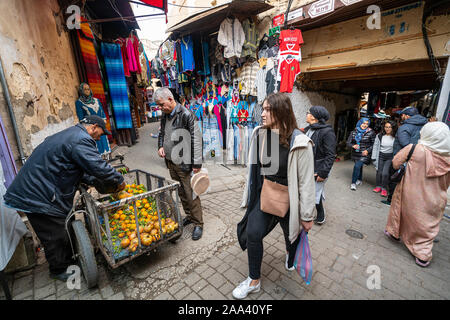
{"x": 382, "y": 155}
{"x": 361, "y": 142}
{"x": 280, "y": 187}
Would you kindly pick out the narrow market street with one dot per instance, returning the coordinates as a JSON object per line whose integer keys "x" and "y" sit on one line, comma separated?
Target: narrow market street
{"x": 211, "y": 267}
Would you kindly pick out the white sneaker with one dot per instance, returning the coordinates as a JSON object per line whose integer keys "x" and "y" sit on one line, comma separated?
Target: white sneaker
{"x": 286, "y": 264}
{"x": 353, "y": 186}
{"x": 358, "y": 182}
{"x": 244, "y": 288}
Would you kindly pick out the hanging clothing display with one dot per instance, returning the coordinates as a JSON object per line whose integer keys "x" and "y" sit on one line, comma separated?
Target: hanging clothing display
{"x": 290, "y": 42}
{"x": 251, "y": 39}
{"x": 232, "y": 37}
{"x": 94, "y": 77}
{"x": 289, "y": 70}
{"x": 117, "y": 84}
{"x": 248, "y": 78}
{"x": 187, "y": 53}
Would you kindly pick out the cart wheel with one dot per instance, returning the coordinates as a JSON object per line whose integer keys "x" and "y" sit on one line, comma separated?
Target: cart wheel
{"x": 85, "y": 254}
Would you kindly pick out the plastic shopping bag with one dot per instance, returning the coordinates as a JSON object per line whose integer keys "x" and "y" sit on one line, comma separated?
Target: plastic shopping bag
{"x": 303, "y": 259}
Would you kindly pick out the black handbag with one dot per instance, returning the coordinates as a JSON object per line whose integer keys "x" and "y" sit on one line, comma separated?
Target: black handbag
{"x": 398, "y": 175}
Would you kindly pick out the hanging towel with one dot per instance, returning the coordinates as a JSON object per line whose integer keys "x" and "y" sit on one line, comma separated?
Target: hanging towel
{"x": 117, "y": 84}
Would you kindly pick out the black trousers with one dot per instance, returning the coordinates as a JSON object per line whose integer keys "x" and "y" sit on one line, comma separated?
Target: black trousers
{"x": 257, "y": 225}
{"x": 53, "y": 236}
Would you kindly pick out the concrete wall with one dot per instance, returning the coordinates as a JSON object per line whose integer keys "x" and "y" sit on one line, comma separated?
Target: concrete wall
{"x": 326, "y": 97}
{"x": 40, "y": 70}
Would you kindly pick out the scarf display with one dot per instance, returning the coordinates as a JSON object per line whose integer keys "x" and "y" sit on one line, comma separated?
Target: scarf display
{"x": 86, "y": 39}
{"x": 117, "y": 84}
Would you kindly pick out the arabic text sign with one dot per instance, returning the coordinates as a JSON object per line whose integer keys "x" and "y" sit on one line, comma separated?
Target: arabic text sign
{"x": 321, "y": 7}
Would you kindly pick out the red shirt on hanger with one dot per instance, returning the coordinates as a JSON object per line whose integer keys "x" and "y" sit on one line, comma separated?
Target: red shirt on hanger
{"x": 289, "y": 69}
{"x": 290, "y": 41}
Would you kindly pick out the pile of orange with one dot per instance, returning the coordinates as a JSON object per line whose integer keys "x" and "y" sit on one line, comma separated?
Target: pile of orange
{"x": 123, "y": 223}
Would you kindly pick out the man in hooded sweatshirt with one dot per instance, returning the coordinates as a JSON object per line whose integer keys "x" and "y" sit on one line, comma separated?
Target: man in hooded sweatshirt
{"x": 322, "y": 134}
{"x": 407, "y": 133}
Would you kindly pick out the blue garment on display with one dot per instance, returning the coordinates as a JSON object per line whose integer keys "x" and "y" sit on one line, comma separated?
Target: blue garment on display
{"x": 236, "y": 141}
{"x": 187, "y": 53}
{"x": 206, "y": 71}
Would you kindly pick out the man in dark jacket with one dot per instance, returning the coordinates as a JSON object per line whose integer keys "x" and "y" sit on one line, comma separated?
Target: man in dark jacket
{"x": 180, "y": 144}
{"x": 45, "y": 187}
{"x": 407, "y": 133}
{"x": 322, "y": 134}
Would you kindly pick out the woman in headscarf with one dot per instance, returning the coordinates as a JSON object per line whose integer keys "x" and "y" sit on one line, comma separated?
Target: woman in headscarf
{"x": 87, "y": 105}
{"x": 420, "y": 198}
{"x": 322, "y": 134}
{"x": 361, "y": 142}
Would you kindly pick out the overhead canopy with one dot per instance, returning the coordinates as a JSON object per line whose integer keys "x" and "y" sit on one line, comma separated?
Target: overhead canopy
{"x": 104, "y": 9}
{"x": 209, "y": 20}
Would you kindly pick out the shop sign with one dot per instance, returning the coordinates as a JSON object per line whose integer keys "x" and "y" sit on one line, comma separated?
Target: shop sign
{"x": 321, "y": 7}
{"x": 278, "y": 20}
{"x": 350, "y": 2}
{"x": 297, "y": 13}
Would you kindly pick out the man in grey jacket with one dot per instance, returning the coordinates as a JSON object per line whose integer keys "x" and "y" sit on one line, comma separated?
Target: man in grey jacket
{"x": 180, "y": 144}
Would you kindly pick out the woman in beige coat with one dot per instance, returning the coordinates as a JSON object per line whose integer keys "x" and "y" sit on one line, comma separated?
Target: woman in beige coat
{"x": 292, "y": 166}
{"x": 420, "y": 198}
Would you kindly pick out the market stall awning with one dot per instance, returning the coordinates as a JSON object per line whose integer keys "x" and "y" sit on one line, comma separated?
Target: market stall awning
{"x": 209, "y": 20}
{"x": 103, "y": 10}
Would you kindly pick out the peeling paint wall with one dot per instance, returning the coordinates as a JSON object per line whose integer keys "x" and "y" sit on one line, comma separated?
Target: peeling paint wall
{"x": 333, "y": 102}
{"x": 40, "y": 70}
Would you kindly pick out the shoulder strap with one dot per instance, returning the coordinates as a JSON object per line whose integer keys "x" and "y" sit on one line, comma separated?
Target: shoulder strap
{"x": 410, "y": 152}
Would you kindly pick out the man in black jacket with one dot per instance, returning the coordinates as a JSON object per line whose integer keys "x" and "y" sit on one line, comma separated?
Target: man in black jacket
{"x": 322, "y": 134}
{"x": 45, "y": 187}
{"x": 180, "y": 144}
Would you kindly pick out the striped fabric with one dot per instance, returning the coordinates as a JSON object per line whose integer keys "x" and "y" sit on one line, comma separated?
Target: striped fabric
{"x": 86, "y": 39}
{"x": 117, "y": 84}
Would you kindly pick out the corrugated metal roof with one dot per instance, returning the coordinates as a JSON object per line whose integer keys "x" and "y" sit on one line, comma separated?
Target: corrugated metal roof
{"x": 209, "y": 20}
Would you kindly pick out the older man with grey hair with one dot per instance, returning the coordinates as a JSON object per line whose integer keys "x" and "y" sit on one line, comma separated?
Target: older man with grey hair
{"x": 180, "y": 144}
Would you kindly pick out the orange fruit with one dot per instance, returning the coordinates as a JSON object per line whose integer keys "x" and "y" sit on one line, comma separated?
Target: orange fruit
{"x": 147, "y": 206}
{"x": 155, "y": 218}
{"x": 125, "y": 243}
{"x": 121, "y": 235}
{"x": 116, "y": 216}
{"x": 133, "y": 185}
{"x": 122, "y": 217}
{"x": 131, "y": 208}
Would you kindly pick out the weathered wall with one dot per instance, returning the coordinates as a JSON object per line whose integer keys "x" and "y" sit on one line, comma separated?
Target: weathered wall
{"x": 40, "y": 70}
{"x": 333, "y": 102}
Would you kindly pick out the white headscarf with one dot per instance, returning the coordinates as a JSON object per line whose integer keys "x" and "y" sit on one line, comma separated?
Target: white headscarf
{"x": 436, "y": 136}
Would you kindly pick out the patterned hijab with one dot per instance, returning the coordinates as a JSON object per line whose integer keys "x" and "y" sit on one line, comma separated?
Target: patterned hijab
{"x": 360, "y": 131}
{"x": 83, "y": 98}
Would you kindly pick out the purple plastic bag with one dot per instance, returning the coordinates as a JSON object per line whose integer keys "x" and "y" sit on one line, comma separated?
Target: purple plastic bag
{"x": 303, "y": 259}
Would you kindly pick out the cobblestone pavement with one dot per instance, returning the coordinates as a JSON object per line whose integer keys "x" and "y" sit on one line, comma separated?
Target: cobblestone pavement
{"x": 211, "y": 267}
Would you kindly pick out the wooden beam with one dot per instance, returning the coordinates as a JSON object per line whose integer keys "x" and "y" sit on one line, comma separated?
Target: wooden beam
{"x": 377, "y": 71}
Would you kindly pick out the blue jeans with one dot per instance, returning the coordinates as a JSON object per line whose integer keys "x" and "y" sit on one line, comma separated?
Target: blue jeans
{"x": 357, "y": 171}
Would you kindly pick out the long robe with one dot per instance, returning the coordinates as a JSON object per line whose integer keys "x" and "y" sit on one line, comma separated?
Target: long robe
{"x": 419, "y": 200}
